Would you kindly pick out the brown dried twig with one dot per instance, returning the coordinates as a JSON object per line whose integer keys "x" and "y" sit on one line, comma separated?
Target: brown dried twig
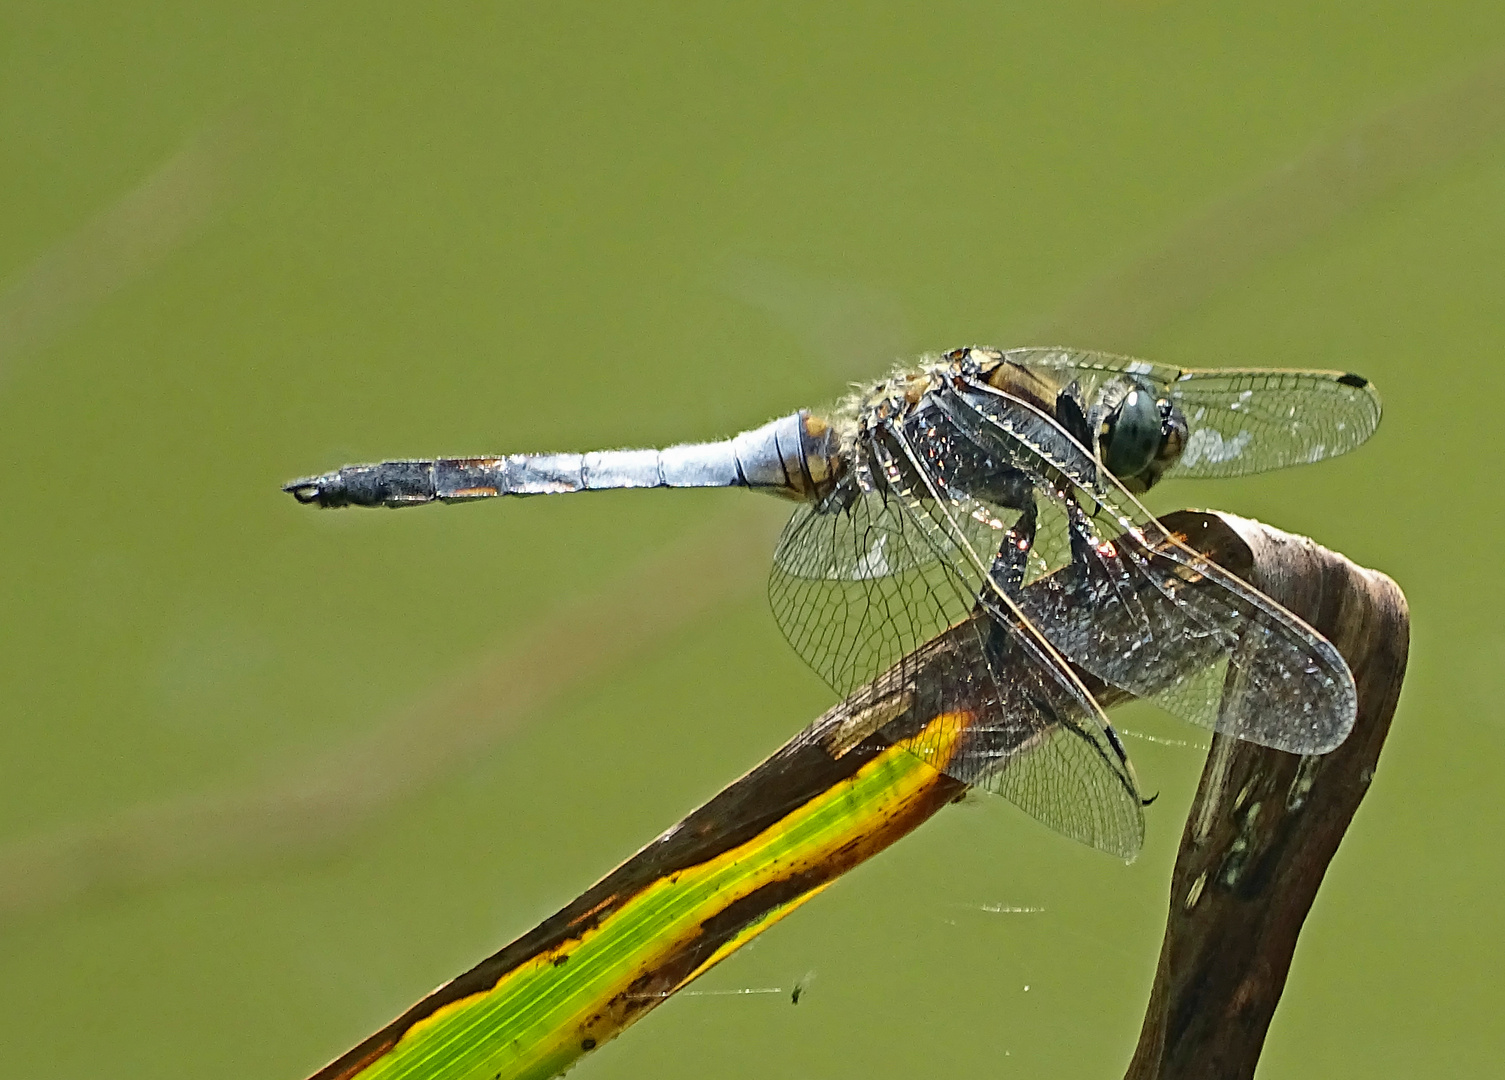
{"x": 1265, "y": 824}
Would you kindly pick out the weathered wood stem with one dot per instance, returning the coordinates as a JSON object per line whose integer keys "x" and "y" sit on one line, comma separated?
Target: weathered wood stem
{"x": 1265, "y": 824}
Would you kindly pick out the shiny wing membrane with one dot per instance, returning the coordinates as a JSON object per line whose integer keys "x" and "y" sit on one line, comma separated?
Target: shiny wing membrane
{"x": 857, "y": 584}
{"x": 1144, "y": 612}
{"x": 864, "y": 585}
{"x": 1239, "y": 421}
{"x": 1249, "y": 421}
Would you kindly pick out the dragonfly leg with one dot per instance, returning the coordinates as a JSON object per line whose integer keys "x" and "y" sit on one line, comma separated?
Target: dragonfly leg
{"x": 1012, "y": 560}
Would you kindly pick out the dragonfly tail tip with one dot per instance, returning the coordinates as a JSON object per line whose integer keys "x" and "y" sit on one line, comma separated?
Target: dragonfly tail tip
{"x": 312, "y": 489}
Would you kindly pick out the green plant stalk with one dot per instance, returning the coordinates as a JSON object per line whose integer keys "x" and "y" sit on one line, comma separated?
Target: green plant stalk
{"x": 610, "y": 960}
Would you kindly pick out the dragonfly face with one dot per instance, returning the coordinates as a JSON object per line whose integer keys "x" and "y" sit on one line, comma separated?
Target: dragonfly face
{"x": 1139, "y": 435}
{"x": 986, "y": 499}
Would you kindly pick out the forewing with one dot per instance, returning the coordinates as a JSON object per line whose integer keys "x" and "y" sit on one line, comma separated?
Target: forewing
{"x": 1090, "y": 368}
{"x": 1249, "y": 421}
{"x": 1238, "y": 421}
{"x": 1142, "y": 611}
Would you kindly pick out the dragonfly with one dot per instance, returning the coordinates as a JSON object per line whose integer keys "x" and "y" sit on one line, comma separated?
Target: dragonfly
{"x": 969, "y": 547}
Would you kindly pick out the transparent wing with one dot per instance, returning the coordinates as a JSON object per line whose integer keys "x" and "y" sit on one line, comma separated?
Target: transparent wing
{"x": 856, "y": 585}
{"x": 1142, "y": 611}
{"x": 1089, "y": 368}
{"x": 865, "y": 586}
{"x": 1249, "y": 421}
{"x": 1238, "y": 421}
{"x": 979, "y": 707}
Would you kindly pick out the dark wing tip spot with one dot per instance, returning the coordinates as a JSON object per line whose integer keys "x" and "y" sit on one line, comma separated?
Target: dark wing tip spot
{"x": 1358, "y": 382}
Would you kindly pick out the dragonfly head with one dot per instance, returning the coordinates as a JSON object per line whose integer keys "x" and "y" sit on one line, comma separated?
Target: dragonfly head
{"x": 1139, "y": 435}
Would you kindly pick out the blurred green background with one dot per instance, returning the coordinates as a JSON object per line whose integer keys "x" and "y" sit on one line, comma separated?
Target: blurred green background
{"x": 268, "y": 775}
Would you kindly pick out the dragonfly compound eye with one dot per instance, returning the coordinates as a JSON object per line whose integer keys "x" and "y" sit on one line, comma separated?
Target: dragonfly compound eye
{"x": 1130, "y": 435}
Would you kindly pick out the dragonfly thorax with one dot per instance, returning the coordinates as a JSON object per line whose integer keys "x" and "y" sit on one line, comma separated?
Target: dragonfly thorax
{"x": 1137, "y": 433}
